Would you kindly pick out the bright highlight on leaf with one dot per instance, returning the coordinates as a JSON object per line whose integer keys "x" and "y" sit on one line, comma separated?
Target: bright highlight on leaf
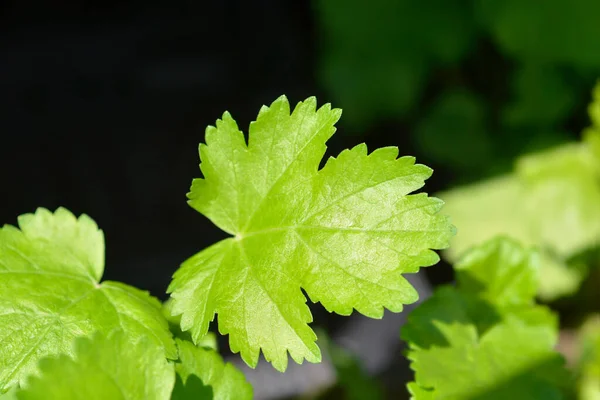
{"x": 50, "y": 294}
{"x": 345, "y": 233}
{"x": 486, "y": 338}
{"x": 104, "y": 368}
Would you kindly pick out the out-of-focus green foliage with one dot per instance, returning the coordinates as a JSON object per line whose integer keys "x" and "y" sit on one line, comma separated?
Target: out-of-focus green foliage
{"x": 551, "y": 201}
{"x": 589, "y": 362}
{"x": 540, "y": 97}
{"x": 554, "y": 31}
{"x": 478, "y": 82}
{"x": 485, "y": 338}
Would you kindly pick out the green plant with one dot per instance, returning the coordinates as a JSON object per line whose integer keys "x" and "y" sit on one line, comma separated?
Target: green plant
{"x": 345, "y": 233}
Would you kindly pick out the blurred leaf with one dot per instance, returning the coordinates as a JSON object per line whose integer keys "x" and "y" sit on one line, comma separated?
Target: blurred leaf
{"x": 562, "y": 198}
{"x": 484, "y": 210}
{"x": 559, "y": 278}
{"x": 557, "y": 31}
{"x": 541, "y": 97}
{"x": 454, "y": 131}
{"x": 485, "y": 338}
{"x": 375, "y": 56}
{"x": 512, "y": 359}
{"x": 591, "y": 135}
{"x": 417, "y": 392}
{"x": 552, "y": 202}
{"x": 594, "y": 107}
{"x": 592, "y": 139}
{"x": 499, "y": 271}
{"x": 589, "y": 364}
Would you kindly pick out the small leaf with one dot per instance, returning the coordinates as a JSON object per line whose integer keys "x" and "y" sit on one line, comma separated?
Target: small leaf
{"x": 80, "y": 235}
{"x": 589, "y": 362}
{"x": 542, "y": 97}
{"x": 550, "y": 202}
{"x": 549, "y": 35}
{"x": 485, "y": 338}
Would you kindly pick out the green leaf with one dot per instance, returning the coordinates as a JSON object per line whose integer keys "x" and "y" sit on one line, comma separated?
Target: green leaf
{"x": 559, "y": 278}
{"x": 499, "y": 271}
{"x": 419, "y": 393}
{"x": 110, "y": 367}
{"x": 485, "y": 338}
{"x": 345, "y": 233}
{"x": 591, "y": 137}
{"x": 377, "y": 68}
{"x": 80, "y": 235}
{"x": 551, "y": 201}
{"x": 511, "y": 359}
{"x": 562, "y": 198}
{"x": 50, "y": 294}
{"x": 10, "y": 395}
{"x": 207, "y": 366}
{"x": 594, "y": 107}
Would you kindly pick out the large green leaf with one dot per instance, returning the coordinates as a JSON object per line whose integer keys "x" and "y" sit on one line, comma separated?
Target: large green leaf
{"x": 345, "y": 233}
{"x": 50, "y": 293}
